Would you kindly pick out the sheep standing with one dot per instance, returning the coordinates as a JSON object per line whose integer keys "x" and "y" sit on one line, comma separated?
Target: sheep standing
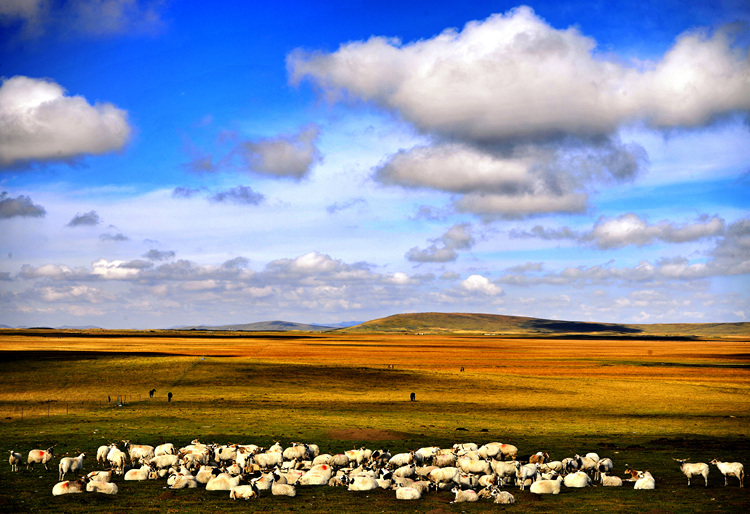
{"x": 40, "y": 457}
{"x": 14, "y": 460}
{"x": 731, "y": 469}
{"x": 70, "y": 464}
{"x": 690, "y": 469}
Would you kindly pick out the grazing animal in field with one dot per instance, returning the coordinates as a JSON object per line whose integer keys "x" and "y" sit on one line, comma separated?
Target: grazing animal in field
{"x": 40, "y": 457}
{"x": 14, "y": 460}
{"x": 151, "y": 393}
{"x": 408, "y": 493}
{"x": 70, "y": 465}
{"x": 690, "y": 469}
{"x": 731, "y": 469}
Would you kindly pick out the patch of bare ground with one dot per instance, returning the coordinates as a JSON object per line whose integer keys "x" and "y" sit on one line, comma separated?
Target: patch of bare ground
{"x": 365, "y": 434}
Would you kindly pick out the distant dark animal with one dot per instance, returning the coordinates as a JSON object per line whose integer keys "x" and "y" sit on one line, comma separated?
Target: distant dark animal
{"x": 413, "y": 397}
{"x": 151, "y": 393}
{"x": 169, "y": 396}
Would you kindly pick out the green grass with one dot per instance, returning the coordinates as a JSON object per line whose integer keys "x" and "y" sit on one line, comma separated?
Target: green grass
{"x": 641, "y": 422}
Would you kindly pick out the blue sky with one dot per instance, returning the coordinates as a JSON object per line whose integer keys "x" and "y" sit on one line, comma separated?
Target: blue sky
{"x": 168, "y": 163}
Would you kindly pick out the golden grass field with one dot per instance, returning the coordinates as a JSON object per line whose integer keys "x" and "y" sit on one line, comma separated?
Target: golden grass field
{"x": 687, "y": 398}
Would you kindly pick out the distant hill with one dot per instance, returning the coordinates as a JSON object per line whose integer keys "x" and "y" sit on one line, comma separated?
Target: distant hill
{"x": 262, "y": 326}
{"x": 471, "y": 323}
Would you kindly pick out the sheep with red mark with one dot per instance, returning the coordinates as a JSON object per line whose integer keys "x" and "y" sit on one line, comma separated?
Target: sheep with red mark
{"x": 138, "y": 451}
{"x": 69, "y": 487}
{"x": 408, "y": 493}
{"x": 40, "y": 457}
{"x": 464, "y": 495}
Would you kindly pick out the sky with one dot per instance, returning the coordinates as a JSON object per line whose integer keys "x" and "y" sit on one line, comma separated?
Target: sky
{"x": 167, "y": 163}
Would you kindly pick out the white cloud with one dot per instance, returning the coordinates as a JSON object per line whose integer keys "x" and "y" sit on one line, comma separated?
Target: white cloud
{"x": 443, "y": 249}
{"x": 514, "y": 77}
{"x": 480, "y": 285}
{"x": 630, "y": 229}
{"x": 524, "y": 117}
{"x": 38, "y": 122}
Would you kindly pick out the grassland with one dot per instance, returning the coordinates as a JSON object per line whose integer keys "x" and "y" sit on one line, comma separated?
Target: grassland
{"x": 640, "y": 402}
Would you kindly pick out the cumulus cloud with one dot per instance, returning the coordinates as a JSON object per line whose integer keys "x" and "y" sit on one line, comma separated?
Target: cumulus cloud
{"x": 524, "y": 116}
{"x": 39, "y": 122}
{"x": 20, "y": 206}
{"x": 283, "y": 156}
{"x": 443, "y": 249}
{"x": 240, "y": 195}
{"x": 477, "y": 284}
{"x": 513, "y": 77}
{"x": 89, "y": 219}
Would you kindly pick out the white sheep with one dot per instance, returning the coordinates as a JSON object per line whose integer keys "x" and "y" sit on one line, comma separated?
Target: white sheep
{"x": 102, "y": 487}
{"x": 464, "y": 495}
{"x": 577, "y": 479}
{"x": 40, "y": 457}
{"x": 444, "y": 460}
{"x": 481, "y": 467}
{"x": 363, "y": 483}
{"x": 546, "y": 486}
{"x": 645, "y": 481}
{"x": 164, "y": 461}
{"x": 243, "y": 492}
{"x": 70, "y": 464}
{"x": 222, "y": 482}
{"x": 182, "y": 481}
{"x": 445, "y": 475}
{"x": 408, "y": 493}
{"x": 405, "y": 471}
{"x": 279, "y": 489}
{"x": 731, "y": 469}
{"x": 118, "y": 459}
{"x": 504, "y": 469}
{"x": 69, "y": 487}
{"x": 400, "y": 459}
{"x": 609, "y": 481}
{"x": 100, "y": 476}
{"x": 14, "y": 460}
{"x": 165, "y": 449}
{"x": 525, "y": 472}
{"x": 143, "y": 473}
{"x": 138, "y": 451}
{"x": 503, "y": 497}
{"x": 101, "y": 453}
{"x": 604, "y": 465}
{"x": 690, "y": 469}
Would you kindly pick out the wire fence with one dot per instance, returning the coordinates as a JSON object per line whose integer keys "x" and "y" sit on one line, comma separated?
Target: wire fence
{"x": 49, "y": 408}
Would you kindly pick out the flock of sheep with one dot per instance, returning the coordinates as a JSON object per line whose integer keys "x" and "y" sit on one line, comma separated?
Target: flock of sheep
{"x": 470, "y": 471}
